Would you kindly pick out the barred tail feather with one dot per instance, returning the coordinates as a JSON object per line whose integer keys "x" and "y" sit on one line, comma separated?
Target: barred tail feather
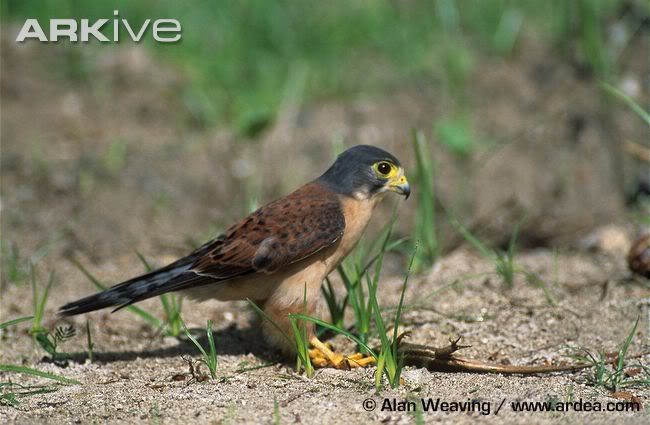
{"x": 174, "y": 277}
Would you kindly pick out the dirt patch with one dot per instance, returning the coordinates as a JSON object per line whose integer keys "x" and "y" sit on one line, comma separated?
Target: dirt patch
{"x": 135, "y": 375}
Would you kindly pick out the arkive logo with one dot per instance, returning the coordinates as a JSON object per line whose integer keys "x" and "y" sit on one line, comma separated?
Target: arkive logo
{"x": 163, "y": 30}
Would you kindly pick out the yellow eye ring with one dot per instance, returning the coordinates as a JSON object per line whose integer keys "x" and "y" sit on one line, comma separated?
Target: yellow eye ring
{"x": 385, "y": 169}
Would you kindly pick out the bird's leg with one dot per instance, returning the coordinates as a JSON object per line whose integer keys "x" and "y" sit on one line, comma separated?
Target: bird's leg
{"x": 323, "y": 356}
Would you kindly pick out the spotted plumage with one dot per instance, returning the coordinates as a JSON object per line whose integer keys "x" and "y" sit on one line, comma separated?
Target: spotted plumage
{"x": 280, "y": 233}
{"x": 280, "y": 252}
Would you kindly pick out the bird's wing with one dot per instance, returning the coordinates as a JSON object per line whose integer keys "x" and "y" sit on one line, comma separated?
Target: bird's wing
{"x": 280, "y": 233}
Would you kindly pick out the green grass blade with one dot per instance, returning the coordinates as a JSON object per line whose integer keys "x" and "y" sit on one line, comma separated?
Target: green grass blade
{"x": 480, "y": 246}
{"x": 337, "y": 330}
{"x": 379, "y": 321}
{"x": 303, "y": 360}
{"x": 344, "y": 276}
{"x": 642, "y": 113}
{"x": 401, "y": 303}
{"x": 622, "y": 353}
{"x": 336, "y": 309}
{"x": 508, "y": 31}
{"x": 213, "y": 348}
{"x": 209, "y": 359}
{"x": 189, "y": 335}
{"x": 379, "y": 373}
{"x": 277, "y": 419}
{"x": 15, "y": 322}
{"x": 164, "y": 300}
{"x": 37, "y": 318}
{"x": 36, "y": 372}
{"x": 268, "y": 318}
{"x": 425, "y": 226}
{"x": 372, "y": 293}
{"x": 212, "y": 361}
{"x": 39, "y": 300}
{"x": 375, "y": 310}
{"x": 144, "y": 262}
{"x": 535, "y": 280}
{"x": 309, "y": 369}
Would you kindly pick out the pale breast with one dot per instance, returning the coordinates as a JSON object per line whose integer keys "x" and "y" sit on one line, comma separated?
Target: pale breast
{"x": 357, "y": 215}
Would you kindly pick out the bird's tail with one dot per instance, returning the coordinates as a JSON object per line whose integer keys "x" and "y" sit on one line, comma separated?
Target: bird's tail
{"x": 174, "y": 277}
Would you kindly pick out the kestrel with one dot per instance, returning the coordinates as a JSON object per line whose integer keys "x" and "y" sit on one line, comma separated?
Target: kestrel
{"x": 279, "y": 255}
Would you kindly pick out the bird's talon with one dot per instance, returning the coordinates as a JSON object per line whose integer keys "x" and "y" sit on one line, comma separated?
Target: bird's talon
{"x": 319, "y": 362}
{"x": 322, "y": 356}
{"x": 358, "y": 360}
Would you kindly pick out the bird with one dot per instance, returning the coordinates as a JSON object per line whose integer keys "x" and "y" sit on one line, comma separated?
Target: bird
{"x": 279, "y": 255}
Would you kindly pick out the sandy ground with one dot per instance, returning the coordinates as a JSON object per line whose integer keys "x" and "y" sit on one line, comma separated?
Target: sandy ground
{"x": 139, "y": 376}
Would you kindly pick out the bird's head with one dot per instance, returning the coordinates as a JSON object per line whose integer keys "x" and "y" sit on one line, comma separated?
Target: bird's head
{"x": 364, "y": 172}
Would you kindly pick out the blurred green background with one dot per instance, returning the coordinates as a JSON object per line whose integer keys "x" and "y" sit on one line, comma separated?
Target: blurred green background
{"x": 244, "y": 58}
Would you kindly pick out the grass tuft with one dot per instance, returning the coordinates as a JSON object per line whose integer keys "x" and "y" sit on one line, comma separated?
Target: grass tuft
{"x": 389, "y": 360}
{"x": 50, "y": 342}
{"x": 47, "y": 340}
{"x": 39, "y": 301}
{"x": 208, "y": 358}
{"x": 612, "y": 375}
{"x": 299, "y": 329}
{"x": 426, "y": 229}
{"x": 11, "y": 392}
{"x": 504, "y": 262}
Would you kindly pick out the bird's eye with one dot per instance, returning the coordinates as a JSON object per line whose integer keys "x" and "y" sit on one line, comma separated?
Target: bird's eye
{"x": 384, "y": 168}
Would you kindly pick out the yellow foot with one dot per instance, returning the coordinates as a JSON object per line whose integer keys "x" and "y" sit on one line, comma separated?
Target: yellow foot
{"x": 323, "y": 356}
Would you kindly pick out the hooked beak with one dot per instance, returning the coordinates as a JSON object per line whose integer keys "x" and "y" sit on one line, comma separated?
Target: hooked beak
{"x": 400, "y": 185}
